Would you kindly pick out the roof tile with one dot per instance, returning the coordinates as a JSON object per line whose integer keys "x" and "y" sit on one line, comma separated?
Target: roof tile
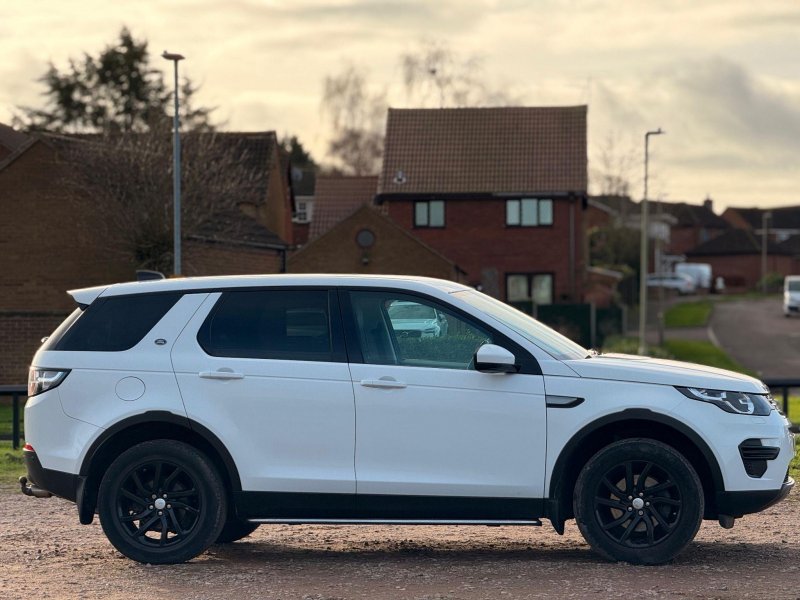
{"x": 336, "y": 198}
{"x": 485, "y": 150}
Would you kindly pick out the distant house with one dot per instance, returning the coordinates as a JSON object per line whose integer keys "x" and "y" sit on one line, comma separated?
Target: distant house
{"x": 366, "y": 241}
{"x": 499, "y": 191}
{"x": 782, "y": 222}
{"x": 337, "y": 197}
{"x": 695, "y": 224}
{"x": 736, "y": 256}
{"x": 52, "y": 240}
{"x": 302, "y": 183}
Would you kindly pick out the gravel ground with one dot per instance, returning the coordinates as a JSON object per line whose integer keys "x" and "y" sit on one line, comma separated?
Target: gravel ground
{"x": 45, "y": 553}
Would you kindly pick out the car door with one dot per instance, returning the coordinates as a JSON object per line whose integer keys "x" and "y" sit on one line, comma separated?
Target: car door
{"x": 266, "y": 371}
{"x": 428, "y": 423}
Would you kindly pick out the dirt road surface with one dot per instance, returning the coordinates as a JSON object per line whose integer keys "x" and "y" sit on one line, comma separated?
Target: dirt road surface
{"x": 45, "y": 553}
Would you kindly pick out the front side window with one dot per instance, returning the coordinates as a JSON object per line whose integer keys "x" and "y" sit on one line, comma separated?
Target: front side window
{"x": 396, "y": 329}
{"x": 429, "y": 213}
{"x": 269, "y": 324}
{"x": 529, "y": 212}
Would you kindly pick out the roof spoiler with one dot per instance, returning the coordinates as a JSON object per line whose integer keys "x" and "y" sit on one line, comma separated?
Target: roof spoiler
{"x": 85, "y": 296}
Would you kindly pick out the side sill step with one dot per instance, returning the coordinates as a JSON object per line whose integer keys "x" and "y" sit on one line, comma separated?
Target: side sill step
{"x": 489, "y": 522}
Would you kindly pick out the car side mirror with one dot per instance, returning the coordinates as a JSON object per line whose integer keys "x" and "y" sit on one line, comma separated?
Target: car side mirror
{"x": 495, "y": 359}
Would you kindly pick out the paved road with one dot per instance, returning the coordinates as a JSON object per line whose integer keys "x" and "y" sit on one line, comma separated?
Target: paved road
{"x": 757, "y": 335}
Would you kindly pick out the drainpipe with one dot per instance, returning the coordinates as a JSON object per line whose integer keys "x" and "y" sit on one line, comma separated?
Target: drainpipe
{"x": 572, "y": 250}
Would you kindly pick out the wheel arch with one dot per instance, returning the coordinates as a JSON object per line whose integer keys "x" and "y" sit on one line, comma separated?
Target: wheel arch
{"x": 144, "y": 427}
{"x": 630, "y": 423}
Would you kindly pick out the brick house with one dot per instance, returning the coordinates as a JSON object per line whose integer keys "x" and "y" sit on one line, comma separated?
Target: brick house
{"x": 782, "y": 222}
{"x": 499, "y": 191}
{"x": 368, "y": 242}
{"x": 51, "y": 241}
{"x": 736, "y": 256}
{"x": 337, "y": 197}
{"x": 695, "y": 224}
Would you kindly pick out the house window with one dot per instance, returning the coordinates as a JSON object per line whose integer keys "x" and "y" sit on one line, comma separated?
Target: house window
{"x": 303, "y": 211}
{"x": 429, "y": 213}
{"x": 529, "y": 288}
{"x": 529, "y": 212}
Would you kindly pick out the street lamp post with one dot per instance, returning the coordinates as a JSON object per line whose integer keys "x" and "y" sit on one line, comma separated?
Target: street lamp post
{"x": 176, "y": 171}
{"x": 643, "y": 250}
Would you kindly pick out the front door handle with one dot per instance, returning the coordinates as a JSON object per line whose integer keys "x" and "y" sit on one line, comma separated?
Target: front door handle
{"x": 221, "y": 374}
{"x": 383, "y": 383}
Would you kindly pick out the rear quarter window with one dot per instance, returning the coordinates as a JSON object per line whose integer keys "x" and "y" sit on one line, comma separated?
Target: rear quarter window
{"x": 115, "y": 324}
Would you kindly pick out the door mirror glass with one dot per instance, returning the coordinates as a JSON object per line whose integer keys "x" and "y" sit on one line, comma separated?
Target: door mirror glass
{"x": 495, "y": 359}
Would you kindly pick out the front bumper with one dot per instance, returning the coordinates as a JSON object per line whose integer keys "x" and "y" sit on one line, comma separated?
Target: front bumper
{"x": 737, "y": 504}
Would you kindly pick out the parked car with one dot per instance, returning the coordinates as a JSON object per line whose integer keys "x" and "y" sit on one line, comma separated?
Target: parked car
{"x": 791, "y": 295}
{"x": 411, "y": 319}
{"x": 190, "y": 411}
{"x": 683, "y": 284}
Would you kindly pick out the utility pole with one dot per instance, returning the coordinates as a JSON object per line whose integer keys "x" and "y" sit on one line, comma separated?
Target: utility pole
{"x": 765, "y": 217}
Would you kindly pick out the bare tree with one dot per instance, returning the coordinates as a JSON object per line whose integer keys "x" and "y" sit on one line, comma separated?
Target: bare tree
{"x": 434, "y": 72}
{"x": 128, "y": 179}
{"x": 615, "y": 167}
{"x": 357, "y": 117}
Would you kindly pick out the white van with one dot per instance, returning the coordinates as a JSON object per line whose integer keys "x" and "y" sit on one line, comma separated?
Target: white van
{"x": 700, "y": 272}
{"x": 791, "y": 295}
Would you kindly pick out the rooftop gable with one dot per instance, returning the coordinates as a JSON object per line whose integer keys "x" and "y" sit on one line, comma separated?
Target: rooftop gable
{"x": 485, "y": 150}
{"x": 336, "y": 198}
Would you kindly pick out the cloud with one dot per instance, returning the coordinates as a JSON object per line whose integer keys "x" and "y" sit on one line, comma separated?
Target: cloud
{"x": 722, "y": 122}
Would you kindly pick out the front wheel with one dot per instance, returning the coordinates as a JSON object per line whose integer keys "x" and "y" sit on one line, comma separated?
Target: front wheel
{"x": 638, "y": 501}
{"x": 162, "y": 502}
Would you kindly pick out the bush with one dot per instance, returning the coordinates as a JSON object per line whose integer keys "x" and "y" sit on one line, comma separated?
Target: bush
{"x": 629, "y": 345}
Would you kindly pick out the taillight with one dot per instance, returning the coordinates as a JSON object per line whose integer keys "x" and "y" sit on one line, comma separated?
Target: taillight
{"x": 28, "y": 448}
{"x": 41, "y": 380}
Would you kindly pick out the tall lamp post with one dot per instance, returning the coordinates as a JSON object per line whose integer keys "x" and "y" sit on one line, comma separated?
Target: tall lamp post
{"x": 643, "y": 250}
{"x": 176, "y": 171}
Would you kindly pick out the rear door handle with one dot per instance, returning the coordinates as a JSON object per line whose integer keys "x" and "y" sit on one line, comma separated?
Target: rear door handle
{"x": 383, "y": 383}
{"x": 224, "y": 375}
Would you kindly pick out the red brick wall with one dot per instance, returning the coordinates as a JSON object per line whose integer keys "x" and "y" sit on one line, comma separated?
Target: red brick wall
{"x": 20, "y": 337}
{"x": 221, "y": 259}
{"x": 476, "y": 238}
{"x": 393, "y": 253}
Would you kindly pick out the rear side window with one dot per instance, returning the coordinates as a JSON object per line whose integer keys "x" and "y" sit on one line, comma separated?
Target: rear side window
{"x": 271, "y": 324}
{"x": 115, "y": 324}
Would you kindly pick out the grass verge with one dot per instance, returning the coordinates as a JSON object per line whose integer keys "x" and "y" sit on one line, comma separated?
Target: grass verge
{"x": 688, "y": 314}
{"x": 11, "y": 464}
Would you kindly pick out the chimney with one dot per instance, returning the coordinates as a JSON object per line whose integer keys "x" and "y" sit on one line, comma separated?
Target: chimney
{"x": 708, "y": 203}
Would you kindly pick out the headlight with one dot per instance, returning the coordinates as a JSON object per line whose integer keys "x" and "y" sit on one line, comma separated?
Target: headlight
{"x": 41, "y": 380}
{"x": 738, "y": 403}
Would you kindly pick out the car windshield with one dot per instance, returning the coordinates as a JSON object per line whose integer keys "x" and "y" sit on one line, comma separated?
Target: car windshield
{"x": 411, "y": 311}
{"x": 793, "y": 286}
{"x": 549, "y": 340}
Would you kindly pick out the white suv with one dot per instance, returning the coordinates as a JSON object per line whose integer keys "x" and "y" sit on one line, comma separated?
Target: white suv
{"x": 187, "y": 412}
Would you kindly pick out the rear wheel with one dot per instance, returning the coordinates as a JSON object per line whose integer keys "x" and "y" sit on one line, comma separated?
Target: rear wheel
{"x": 638, "y": 501}
{"x": 162, "y": 502}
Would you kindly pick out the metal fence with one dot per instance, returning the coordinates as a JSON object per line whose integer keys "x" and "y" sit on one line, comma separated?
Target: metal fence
{"x": 17, "y": 393}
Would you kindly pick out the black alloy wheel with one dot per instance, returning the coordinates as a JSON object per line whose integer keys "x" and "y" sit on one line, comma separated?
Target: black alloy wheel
{"x": 162, "y": 502}
{"x": 638, "y": 500}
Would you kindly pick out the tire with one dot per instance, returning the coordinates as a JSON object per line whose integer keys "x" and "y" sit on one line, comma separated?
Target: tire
{"x": 623, "y": 521}
{"x": 234, "y": 530}
{"x": 175, "y": 527}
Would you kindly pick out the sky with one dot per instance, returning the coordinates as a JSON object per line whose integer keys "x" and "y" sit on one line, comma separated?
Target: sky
{"x": 722, "y": 78}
